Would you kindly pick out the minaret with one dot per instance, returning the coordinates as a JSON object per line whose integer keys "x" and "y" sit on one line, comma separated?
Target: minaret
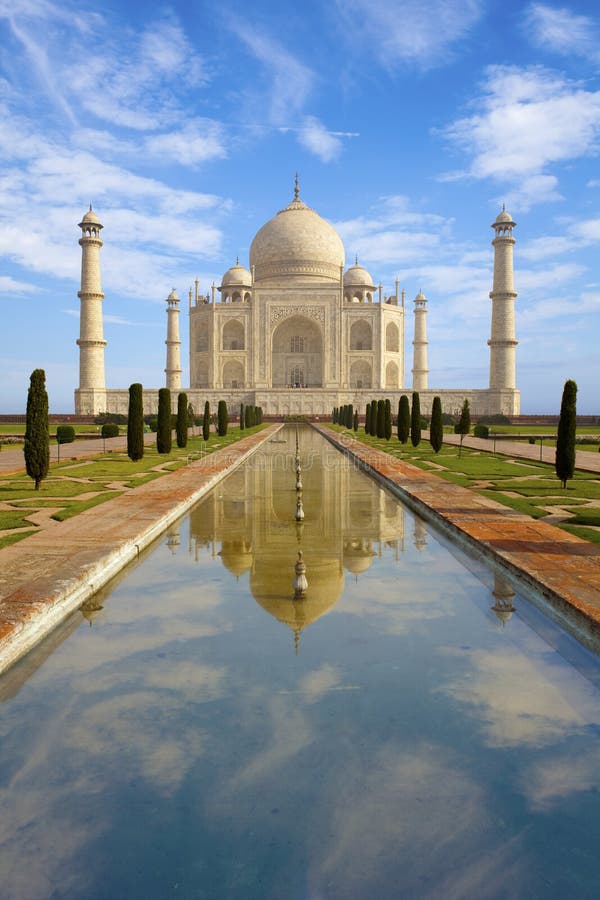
{"x": 173, "y": 343}
{"x": 420, "y": 370}
{"x": 90, "y": 397}
{"x": 502, "y": 342}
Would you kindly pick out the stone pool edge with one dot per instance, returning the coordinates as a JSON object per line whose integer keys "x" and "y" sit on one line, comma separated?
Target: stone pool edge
{"x": 49, "y": 575}
{"x": 558, "y": 571}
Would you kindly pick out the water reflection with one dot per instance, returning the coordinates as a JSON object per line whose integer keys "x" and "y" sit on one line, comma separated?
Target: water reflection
{"x": 249, "y": 522}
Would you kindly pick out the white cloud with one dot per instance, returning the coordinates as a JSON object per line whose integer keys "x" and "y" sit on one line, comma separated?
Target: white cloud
{"x": 562, "y": 31}
{"x": 290, "y": 82}
{"x": 410, "y": 31}
{"x": 318, "y": 140}
{"x": 196, "y": 142}
{"x": 525, "y": 121}
{"x": 9, "y": 285}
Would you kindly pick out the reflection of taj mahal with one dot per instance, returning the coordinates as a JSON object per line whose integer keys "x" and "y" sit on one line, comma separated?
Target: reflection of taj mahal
{"x": 297, "y": 332}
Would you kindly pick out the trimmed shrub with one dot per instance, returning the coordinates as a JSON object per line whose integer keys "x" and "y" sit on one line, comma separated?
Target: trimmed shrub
{"x": 482, "y": 431}
{"x": 368, "y": 418}
{"x": 464, "y": 424}
{"x": 403, "y": 419}
{"x": 565, "y": 435}
{"x": 380, "y": 426}
{"x": 415, "y": 420}
{"x": 355, "y": 423}
{"x": 373, "y": 422}
{"x": 206, "y": 422}
{"x": 222, "y": 418}
{"x": 387, "y": 420}
{"x": 163, "y": 432}
{"x": 110, "y": 430}
{"x": 135, "y": 423}
{"x": 242, "y": 417}
{"x": 65, "y": 434}
{"x": 37, "y": 438}
{"x": 106, "y": 417}
{"x": 436, "y": 429}
{"x": 181, "y": 425}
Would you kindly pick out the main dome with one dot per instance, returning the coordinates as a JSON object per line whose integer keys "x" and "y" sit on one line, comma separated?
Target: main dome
{"x": 298, "y": 245}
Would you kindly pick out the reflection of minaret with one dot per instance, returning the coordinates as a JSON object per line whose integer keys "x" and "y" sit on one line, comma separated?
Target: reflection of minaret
{"x": 91, "y": 395}
{"x": 420, "y": 370}
{"x": 420, "y": 534}
{"x": 173, "y": 343}
{"x": 173, "y": 538}
{"x": 502, "y": 342}
{"x": 503, "y": 598}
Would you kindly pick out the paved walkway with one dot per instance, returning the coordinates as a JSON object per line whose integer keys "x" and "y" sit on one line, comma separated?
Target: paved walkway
{"x": 585, "y": 460}
{"x": 51, "y": 573}
{"x": 560, "y": 566}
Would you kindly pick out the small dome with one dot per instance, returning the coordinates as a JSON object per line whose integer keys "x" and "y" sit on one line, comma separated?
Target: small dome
{"x": 237, "y": 275}
{"x": 173, "y": 296}
{"x": 90, "y": 218}
{"x": 357, "y": 276}
{"x": 503, "y": 218}
{"x": 420, "y": 298}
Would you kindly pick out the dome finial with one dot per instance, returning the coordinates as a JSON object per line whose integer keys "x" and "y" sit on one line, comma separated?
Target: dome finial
{"x": 90, "y": 207}
{"x": 237, "y": 260}
{"x": 356, "y": 259}
{"x": 296, "y": 188}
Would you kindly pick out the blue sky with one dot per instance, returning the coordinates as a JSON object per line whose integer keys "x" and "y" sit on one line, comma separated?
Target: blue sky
{"x": 410, "y": 123}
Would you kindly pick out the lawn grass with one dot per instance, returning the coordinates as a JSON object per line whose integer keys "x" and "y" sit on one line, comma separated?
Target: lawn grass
{"x": 67, "y": 480}
{"x": 534, "y": 483}
{"x": 13, "y": 518}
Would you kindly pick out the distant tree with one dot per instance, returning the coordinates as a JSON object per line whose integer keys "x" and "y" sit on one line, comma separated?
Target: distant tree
{"x": 403, "y": 419}
{"x": 373, "y": 424}
{"x": 436, "y": 429}
{"x": 181, "y": 425}
{"x": 191, "y": 418}
{"x": 37, "y": 437}
{"x": 249, "y": 416}
{"x": 367, "y": 418}
{"x": 380, "y": 423}
{"x": 222, "y": 418}
{"x": 135, "y": 423}
{"x": 415, "y": 420}
{"x": 163, "y": 432}
{"x": 242, "y": 417}
{"x": 565, "y": 437}
{"x": 206, "y": 422}
{"x": 388, "y": 420}
{"x": 355, "y": 423}
{"x": 464, "y": 423}
{"x": 350, "y": 416}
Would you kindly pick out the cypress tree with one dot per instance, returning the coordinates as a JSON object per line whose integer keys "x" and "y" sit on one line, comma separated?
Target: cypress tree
{"x": 222, "y": 418}
{"x": 565, "y": 437}
{"x": 135, "y": 422}
{"x": 388, "y": 420}
{"x": 37, "y": 437}
{"x": 350, "y": 416}
{"x": 181, "y": 427}
{"x": 415, "y": 420}
{"x": 373, "y": 425}
{"x": 464, "y": 424}
{"x": 403, "y": 419}
{"x": 436, "y": 429}
{"x": 380, "y": 426}
{"x": 249, "y": 416}
{"x": 355, "y": 423}
{"x": 206, "y": 422}
{"x": 367, "y": 418}
{"x": 163, "y": 431}
{"x": 242, "y": 417}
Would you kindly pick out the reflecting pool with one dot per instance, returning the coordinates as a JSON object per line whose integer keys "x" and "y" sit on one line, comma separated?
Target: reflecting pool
{"x": 412, "y": 728}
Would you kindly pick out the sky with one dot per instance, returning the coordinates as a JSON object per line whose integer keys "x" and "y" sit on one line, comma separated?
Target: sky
{"x": 410, "y": 123}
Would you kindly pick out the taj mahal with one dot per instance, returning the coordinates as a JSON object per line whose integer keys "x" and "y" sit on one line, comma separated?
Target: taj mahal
{"x": 298, "y": 333}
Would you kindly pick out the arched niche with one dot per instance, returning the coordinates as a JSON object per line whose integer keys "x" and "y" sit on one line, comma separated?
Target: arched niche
{"x": 201, "y": 375}
{"x": 392, "y": 379}
{"x": 361, "y": 375}
{"x": 233, "y": 374}
{"x": 233, "y": 336}
{"x": 297, "y": 353}
{"x": 392, "y": 338}
{"x": 361, "y": 336}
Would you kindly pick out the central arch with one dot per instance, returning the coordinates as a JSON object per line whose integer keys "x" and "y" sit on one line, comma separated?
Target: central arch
{"x": 297, "y": 354}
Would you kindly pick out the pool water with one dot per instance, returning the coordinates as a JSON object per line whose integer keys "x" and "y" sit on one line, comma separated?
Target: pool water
{"x": 412, "y": 728}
